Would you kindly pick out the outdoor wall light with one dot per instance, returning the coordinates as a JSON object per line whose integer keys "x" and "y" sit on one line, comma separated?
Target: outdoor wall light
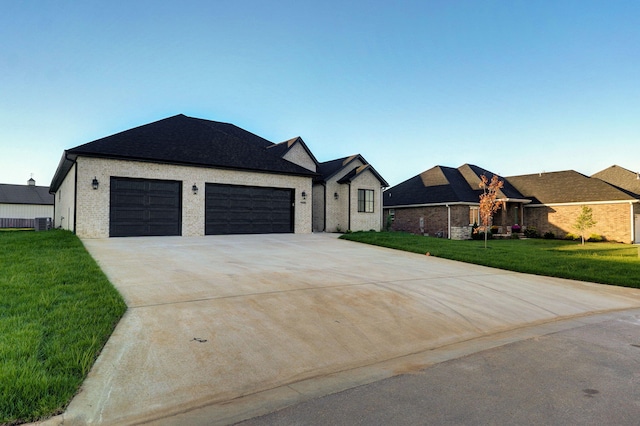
{"x": 335, "y": 195}
{"x": 95, "y": 183}
{"x": 194, "y": 189}
{"x": 304, "y": 195}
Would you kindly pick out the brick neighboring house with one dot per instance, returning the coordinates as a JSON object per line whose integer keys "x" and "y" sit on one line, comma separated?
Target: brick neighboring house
{"x": 444, "y": 201}
{"x": 190, "y": 176}
{"x": 20, "y": 205}
{"x": 558, "y": 197}
{"x": 627, "y": 181}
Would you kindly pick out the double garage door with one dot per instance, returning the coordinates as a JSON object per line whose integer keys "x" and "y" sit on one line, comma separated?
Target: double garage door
{"x": 146, "y": 207}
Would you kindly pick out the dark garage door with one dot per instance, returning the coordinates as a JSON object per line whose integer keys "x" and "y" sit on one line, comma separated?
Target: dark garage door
{"x": 145, "y": 207}
{"x": 234, "y": 209}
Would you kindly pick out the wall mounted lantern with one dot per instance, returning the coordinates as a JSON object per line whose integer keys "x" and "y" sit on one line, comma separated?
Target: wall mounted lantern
{"x": 194, "y": 189}
{"x": 335, "y": 195}
{"x": 304, "y": 195}
{"x": 95, "y": 183}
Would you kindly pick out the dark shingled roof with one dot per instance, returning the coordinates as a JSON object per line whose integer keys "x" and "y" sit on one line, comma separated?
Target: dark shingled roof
{"x": 186, "y": 141}
{"x": 280, "y": 149}
{"x": 624, "y": 179}
{"x": 442, "y": 184}
{"x": 328, "y": 169}
{"x": 566, "y": 186}
{"x": 25, "y": 194}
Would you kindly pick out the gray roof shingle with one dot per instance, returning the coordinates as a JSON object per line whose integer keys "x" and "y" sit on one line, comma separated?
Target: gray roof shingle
{"x": 25, "y": 194}
{"x": 186, "y": 141}
{"x": 566, "y": 186}
{"x": 624, "y": 179}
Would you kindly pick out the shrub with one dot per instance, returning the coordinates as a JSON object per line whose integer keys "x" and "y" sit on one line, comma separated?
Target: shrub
{"x": 531, "y": 232}
{"x": 494, "y": 229}
{"x": 571, "y": 237}
{"x": 549, "y": 235}
{"x": 595, "y": 238}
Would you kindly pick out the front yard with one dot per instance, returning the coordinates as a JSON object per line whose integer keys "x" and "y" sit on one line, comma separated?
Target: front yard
{"x": 606, "y": 263}
{"x": 57, "y": 310}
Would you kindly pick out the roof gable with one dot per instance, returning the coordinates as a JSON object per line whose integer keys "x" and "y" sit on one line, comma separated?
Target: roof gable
{"x": 621, "y": 178}
{"x": 329, "y": 169}
{"x": 283, "y": 148}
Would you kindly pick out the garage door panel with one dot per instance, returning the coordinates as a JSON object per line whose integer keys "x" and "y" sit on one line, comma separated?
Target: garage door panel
{"x": 145, "y": 207}
{"x": 234, "y": 209}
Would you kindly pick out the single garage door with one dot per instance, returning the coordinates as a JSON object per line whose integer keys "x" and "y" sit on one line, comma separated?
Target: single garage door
{"x": 234, "y": 209}
{"x": 145, "y": 207}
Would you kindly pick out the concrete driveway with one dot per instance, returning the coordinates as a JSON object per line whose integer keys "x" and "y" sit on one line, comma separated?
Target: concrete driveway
{"x": 225, "y": 328}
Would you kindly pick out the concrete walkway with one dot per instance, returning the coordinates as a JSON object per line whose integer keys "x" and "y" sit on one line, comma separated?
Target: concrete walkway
{"x": 221, "y": 329}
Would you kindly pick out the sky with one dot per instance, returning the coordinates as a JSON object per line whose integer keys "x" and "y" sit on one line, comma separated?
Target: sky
{"x": 515, "y": 87}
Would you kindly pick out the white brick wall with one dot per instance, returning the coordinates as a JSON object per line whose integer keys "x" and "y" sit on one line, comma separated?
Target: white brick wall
{"x": 366, "y": 221}
{"x": 298, "y": 155}
{"x": 93, "y": 205}
{"x": 64, "y": 199}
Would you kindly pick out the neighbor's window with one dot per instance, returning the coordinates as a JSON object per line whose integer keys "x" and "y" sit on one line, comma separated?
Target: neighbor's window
{"x": 365, "y": 200}
{"x": 474, "y": 215}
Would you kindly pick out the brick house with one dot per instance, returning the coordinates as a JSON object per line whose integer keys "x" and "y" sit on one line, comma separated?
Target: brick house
{"x": 444, "y": 201}
{"x": 190, "y": 176}
{"x": 347, "y": 196}
{"x": 558, "y": 197}
{"x": 626, "y": 181}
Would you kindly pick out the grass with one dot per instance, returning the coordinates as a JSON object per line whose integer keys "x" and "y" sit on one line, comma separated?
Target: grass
{"x": 57, "y": 310}
{"x": 606, "y": 263}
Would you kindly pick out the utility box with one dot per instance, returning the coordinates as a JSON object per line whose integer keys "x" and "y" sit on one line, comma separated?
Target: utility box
{"x": 42, "y": 223}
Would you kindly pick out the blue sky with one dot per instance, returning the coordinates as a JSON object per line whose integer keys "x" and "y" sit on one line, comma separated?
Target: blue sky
{"x": 516, "y": 87}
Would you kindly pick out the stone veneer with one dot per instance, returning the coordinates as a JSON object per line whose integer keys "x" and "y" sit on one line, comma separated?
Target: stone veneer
{"x": 92, "y": 206}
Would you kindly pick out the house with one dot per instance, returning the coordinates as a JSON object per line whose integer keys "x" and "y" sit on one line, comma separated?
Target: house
{"x": 188, "y": 176}
{"x": 444, "y": 201}
{"x": 20, "y": 205}
{"x": 629, "y": 182}
{"x": 558, "y": 197}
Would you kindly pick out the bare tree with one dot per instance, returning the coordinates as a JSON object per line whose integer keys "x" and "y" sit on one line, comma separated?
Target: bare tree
{"x": 488, "y": 203}
{"x": 584, "y": 221}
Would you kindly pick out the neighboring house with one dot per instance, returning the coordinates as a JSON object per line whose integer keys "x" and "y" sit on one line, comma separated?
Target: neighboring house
{"x": 186, "y": 176}
{"x": 629, "y": 182}
{"x": 20, "y": 205}
{"x": 558, "y": 197}
{"x": 444, "y": 202}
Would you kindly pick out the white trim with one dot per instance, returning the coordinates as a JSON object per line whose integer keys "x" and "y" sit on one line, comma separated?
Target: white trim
{"x": 457, "y": 203}
{"x": 582, "y": 203}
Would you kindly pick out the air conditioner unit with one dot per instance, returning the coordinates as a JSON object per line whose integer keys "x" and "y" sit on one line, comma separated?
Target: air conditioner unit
{"x": 43, "y": 223}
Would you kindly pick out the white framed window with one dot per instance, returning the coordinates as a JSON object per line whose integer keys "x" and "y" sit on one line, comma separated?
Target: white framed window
{"x": 474, "y": 215}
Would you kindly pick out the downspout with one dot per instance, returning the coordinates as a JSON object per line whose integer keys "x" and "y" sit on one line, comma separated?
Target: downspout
{"x": 349, "y": 215}
{"x": 324, "y": 215}
{"x": 633, "y": 231}
{"x": 448, "y": 221}
{"x": 75, "y": 196}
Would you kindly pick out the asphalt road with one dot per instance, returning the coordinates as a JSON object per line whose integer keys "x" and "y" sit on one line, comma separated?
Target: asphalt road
{"x": 585, "y": 375}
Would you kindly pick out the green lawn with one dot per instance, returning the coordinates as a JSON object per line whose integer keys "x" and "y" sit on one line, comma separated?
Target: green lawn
{"x": 57, "y": 310}
{"x": 607, "y": 263}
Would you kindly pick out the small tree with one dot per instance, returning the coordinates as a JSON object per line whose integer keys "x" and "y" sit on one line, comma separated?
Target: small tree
{"x": 488, "y": 203}
{"x": 584, "y": 222}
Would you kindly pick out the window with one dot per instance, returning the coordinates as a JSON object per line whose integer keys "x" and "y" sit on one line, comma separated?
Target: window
{"x": 474, "y": 215}
{"x": 365, "y": 200}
